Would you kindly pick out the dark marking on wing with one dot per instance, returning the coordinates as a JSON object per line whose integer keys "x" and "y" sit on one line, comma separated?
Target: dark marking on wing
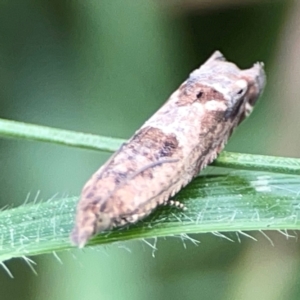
{"x": 160, "y": 143}
{"x": 197, "y": 93}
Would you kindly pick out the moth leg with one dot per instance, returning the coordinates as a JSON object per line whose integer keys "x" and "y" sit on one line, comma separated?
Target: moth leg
{"x": 176, "y": 203}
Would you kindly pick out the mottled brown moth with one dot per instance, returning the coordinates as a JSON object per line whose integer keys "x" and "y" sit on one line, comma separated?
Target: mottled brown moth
{"x": 178, "y": 141}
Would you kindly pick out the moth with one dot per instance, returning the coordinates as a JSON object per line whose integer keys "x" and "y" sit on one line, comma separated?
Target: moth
{"x": 164, "y": 155}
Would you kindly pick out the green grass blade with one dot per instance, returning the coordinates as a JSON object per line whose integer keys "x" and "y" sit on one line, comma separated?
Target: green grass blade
{"x": 284, "y": 165}
{"x": 19, "y": 130}
{"x": 13, "y": 129}
{"x": 236, "y": 202}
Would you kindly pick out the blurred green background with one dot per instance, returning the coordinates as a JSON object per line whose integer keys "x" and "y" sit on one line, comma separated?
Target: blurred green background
{"x": 104, "y": 67}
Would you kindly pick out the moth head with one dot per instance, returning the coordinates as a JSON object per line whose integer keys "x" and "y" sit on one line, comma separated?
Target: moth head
{"x": 252, "y": 82}
{"x": 256, "y": 79}
{"x": 237, "y": 89}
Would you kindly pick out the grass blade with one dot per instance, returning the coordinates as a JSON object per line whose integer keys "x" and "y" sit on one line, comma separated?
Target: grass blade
{"x": 14, "y": 129}
{"x": 239, "y": 201}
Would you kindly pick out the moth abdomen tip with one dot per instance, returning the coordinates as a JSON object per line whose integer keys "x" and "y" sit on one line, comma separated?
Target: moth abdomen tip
{"x": 78, "y": 238}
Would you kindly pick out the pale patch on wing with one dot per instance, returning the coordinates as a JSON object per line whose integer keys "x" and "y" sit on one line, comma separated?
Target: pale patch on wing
{"x": 214, "y": 105}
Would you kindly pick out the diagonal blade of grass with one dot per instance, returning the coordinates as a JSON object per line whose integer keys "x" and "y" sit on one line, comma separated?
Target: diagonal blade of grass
{"x": 19, "y": 130}
{"x": 283, "y": 165}
{"x": 13, "y": 129}
{"x": 237, "y": 201}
